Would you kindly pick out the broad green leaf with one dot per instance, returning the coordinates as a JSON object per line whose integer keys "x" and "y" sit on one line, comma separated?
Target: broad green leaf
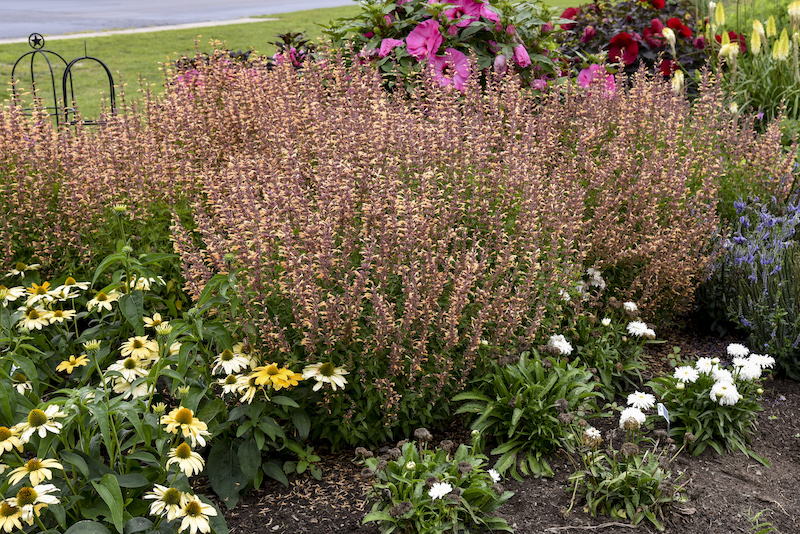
{"x": 109, "y": 491}
{"x": 137, "y": 524}
{"x": 132, "y": 307}
{"x": 302, "y": 423}
{"x": 87, "y": 527}
{"x": 224, "y": 473}
{"x": 249, "y": 459}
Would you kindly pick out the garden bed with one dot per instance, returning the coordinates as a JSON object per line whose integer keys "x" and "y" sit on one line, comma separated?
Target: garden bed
{"x": 722, "y": 491}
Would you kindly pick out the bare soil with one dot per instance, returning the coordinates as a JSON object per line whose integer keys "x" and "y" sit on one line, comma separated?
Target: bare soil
{"x": 723, "y": 492}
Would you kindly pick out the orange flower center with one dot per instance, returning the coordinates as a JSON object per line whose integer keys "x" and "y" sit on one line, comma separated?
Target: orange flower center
{"x": 184, "y": 416}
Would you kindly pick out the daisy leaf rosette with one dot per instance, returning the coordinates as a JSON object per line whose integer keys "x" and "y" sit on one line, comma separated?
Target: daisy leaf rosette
{"x": 711, "y": 406}
{"x": 429, "y": 489}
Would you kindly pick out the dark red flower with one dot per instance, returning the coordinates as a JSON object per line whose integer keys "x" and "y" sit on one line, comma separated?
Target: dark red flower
{"x": 734, "y": 38}
{"x": 653, "y": 35}
{"x": 570, "y": 13}
{"x": 699, "y": 43}
{"x": 676, "y": 24}
{"x": 623, "y": 47}
{"x": 588, "y": 33}
{"x": 667, "y": 67}
{"x": 658, "y": 4}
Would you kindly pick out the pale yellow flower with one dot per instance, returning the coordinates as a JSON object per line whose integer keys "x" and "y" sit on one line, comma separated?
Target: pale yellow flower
{"x": 190, "y": 462}
{"x": 140, "y": 347}
{"x": 230, "y": 362}
{"x": 755, "y": 42}
{"x": 326, "y": 373}
{"x": 195, "y": 515}
{"x": 72, "y": 363}
{"x": 10, "y": 294}
{"x": 38, "y": 470}
{"x": 20, "y": 268}
{"x": 31, "y": 500}
{"x": 167, "y": 502}
{"x": 719, "y": 15}
{"x": 40, "y": 422}
{"x": 771, "y": 30}
{"x": 183, "y": 420}
{"x": 230, "y": 384}
{"x": 9, "y": 439}
{"x": 103, "y": 300}
{"x": 130, "y": 368}
{"x": 10, "y": 517}
{"x": 34, "y": 318}
{"x": 154, "y": 321}
{"x": 59, "y": 316}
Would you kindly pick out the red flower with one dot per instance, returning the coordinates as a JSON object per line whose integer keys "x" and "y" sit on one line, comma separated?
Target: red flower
{"x": 653, "y": 35}
{"x": 658, "y": 4}
{"x": 588, "y": 33}
{"x": 624, "y": 47}
{"x": 699, "y": 43}
{"x": 570, "y": 13}
{"x": 734, "y": 38}
{"x": 667, "y": 67}
{"x": 679, "y": 27}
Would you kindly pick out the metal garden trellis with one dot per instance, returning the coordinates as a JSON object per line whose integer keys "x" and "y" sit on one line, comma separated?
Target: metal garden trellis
{"x": 67, "y": 109}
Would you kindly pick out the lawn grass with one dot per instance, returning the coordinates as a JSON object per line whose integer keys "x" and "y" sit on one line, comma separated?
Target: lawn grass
{"x": 131, "y": 57}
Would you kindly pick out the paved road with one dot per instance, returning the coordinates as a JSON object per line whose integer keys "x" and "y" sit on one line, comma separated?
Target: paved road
{"x": 18, "y": 18}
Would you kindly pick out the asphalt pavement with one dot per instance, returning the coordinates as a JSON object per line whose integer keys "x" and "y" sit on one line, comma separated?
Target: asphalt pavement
{"x": 71, "y": 17}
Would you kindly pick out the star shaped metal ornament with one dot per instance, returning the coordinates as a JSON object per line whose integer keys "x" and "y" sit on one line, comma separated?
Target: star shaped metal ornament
{"x": 36, "y": 40}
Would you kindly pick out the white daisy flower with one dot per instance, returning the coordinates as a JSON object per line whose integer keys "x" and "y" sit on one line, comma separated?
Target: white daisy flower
{"x": 643, "y": 401}
{"x": 631, "y": 418}
{"x": 560, "y": 343}
{"x": 704, "y": 365}
{"x": 724, "y": 393}
{"x": 439, "y": 490}
{"x": 721, "y": 375}
{"x": 686, "y": 373}
{"x": 762, "y": 360}
{"x": 738, "y": 350}
{"x": 640, "y": 329}
{"x": 751, "y": 371}
{"x": 495, "y": 475}
{"x": 325, "y": 373}
{"x": 630, "y": 308}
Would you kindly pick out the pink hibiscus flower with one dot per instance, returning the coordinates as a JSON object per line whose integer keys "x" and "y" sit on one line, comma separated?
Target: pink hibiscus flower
{"x": 597, "y": 72}
{"x": 451, "y": 69}
{"x": 387, "y": 45}
{"x": 424, "y": 40}
{"x": 521, "y": 56}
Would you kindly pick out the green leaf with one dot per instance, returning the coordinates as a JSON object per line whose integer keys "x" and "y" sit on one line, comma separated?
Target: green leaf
{"x": 132, "y": 480}
{"x": 377, "y": 516}
{"x": 132, "y": 307}
{"x": 224, "y": 473}
{"x": 106, "y": 263}
{"x": 249, "y": 459}
{"x": 87, "y": 527}
{"x": 284, "y": 401}
{"x": 217, "y": 522}
{"x": 274, "y": 470}
{"x": 109, "y": 491}
{"x": 137, "y": 524}
{"x": 302, "y": 423}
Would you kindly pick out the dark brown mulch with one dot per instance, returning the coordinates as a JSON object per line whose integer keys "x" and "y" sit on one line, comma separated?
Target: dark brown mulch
{"x": 723, "y": 491}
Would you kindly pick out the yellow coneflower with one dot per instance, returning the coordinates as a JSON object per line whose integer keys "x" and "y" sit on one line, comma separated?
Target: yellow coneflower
{"x": 183, "y": 420}
{"x": 167, "y": 502}
{"x": 38, "y": 470}
{"x": 59, "y": 316}
{"x": 72, "y": 363}
{"x": 276, "y": 377}
{"x": 326, "y": 373}
{"x": 34, "y": 318}
{"x": 152, "y": 322}
{"x": 230, "y": 384}
{"x": 39, "y": 293}
{"x": 140, "y": 347}
{"x": 190, "y": 462}
{"x": 10, "y": 517}
{"x": 195, "y": 515}
{"x": 31, "y": 500}
{"x": 9, "y": 439}
{"x": 248, "y": 388}
{"x": 41, "y": 422}
{"x": 103, "y": 300}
